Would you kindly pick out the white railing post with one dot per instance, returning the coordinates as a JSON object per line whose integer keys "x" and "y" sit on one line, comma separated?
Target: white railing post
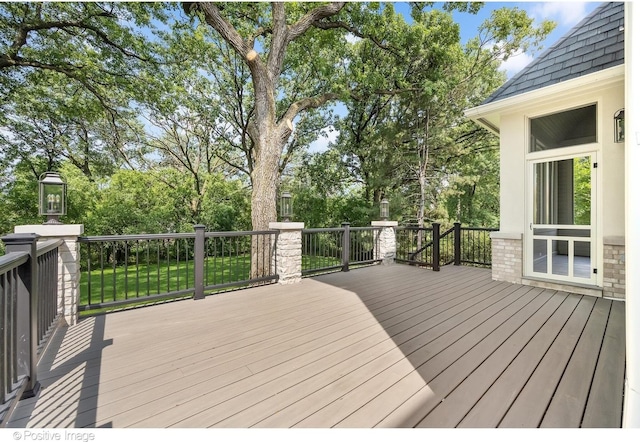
{"x": 68, "y": 263}
{"x": 386, "y": 240}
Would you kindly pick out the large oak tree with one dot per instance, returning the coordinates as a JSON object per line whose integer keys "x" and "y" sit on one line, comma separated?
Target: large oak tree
{"x": 263, "y": 38}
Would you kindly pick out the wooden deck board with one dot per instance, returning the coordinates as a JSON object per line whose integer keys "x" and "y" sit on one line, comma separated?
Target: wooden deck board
{"x": 570, "y": 398}
{"x": 375, "y": 403}
{"x": 449, "y": 345}
{"x": 456, "y": 405}
{"x": 444, "y": 383}
{"x": 269, "y": 362}
{"x": 326, "y": 377}
{"x": 379, "y": 346}
{"x": 531, "y": 404}
{"x": 448, "y": 368}
{"x": 355, "y": 395}
{"x": 496, "y": 400}
{"x": 603, "y": 408}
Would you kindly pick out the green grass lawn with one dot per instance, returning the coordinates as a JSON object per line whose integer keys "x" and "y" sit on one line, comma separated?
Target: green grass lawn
{"x": 136, "y": 283}
{"x": 133, "y": 282}
{"x": 317, "y": 262}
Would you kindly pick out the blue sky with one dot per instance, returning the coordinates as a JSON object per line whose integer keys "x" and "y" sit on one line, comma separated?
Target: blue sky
{"x": 566, "y": 14}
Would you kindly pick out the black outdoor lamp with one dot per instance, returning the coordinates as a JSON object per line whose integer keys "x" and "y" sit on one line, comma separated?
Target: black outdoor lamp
{"x": 384, "y": 209}
{"x": 53, "y": 197}
{"x": 286, "y": 209}
{"x": 618, "y": 119}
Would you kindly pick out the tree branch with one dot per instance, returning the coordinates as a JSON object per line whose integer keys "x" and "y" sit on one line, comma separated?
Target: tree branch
{"x": 283, "y": 35}
{"x": 214, "y": 19}
{"x": 308, "y": 103}
{"x": 326, "y": 25}
{"x": 279, "y": 39}
{"x": 313, "y": 17}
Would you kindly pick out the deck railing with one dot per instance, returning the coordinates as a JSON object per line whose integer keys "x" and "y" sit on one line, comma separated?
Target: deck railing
{"x": 473, "y": 245}
{"x": 457, "y": 245}
{"x": 121, "y": 270}
{"x": 48, "y": 287}
{"x": 29, "y": 309}
{"x": 415, "y": 245}
{"x": 339, "y": 248}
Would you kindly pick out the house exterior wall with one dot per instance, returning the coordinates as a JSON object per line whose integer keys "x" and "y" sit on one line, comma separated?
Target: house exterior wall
{"x": 514, "y": 176}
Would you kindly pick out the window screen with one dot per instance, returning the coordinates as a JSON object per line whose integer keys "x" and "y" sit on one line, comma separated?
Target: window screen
{"x": 563, "y": 129}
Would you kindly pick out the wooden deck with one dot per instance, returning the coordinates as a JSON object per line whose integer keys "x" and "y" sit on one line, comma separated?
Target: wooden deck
{"x": 384, "y": 346}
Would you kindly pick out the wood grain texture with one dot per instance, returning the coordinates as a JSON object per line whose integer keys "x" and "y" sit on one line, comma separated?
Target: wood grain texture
{"x": 383, "y": 346}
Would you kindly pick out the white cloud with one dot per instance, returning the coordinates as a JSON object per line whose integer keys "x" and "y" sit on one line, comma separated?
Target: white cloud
{"x": 329, "y": 135}
{"x": 516, "y": 63}
{"x": 566, "y": 14}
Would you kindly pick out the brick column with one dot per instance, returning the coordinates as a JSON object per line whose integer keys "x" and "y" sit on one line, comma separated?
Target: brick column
{"x": 614, "y": 268}
{"x": 386, "y": 241}
{"x": 506, "y": 257}
{"x": 68, "y": 263}
{"x": 288, "y": 253}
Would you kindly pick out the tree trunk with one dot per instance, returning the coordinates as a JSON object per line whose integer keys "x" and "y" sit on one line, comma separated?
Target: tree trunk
{"x": 421, "y": 206}
{"x": 422, "y": 176}
{"x": 269, "y": 140}
{"x": 264, "y": 178}
{"x": 267, "y": 133}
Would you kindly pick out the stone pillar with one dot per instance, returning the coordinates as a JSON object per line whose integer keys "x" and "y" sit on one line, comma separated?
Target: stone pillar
{"x": 68, "y": 263}
{"x": 288, "y": 253}
{"x": 386, "y": 240}
{"x": 614, "y": 268}
{"x": 506, "y": 257}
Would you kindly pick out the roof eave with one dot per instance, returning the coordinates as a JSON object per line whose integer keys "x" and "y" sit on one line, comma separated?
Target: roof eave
{"x": 488, "y": 115}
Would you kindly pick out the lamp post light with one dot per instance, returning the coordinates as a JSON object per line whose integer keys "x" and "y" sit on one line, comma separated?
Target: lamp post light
{"x": 53, "y": 197}
{"x": 618, "y": 120}
{"x": 384, "y": 209}
{"x": 286, "y": 209}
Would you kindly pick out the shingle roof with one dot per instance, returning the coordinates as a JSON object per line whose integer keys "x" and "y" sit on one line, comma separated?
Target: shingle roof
{"x": 594, "y": 44}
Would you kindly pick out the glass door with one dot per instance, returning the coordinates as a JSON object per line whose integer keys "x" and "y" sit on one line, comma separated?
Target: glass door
{"x": 562, "y": 220}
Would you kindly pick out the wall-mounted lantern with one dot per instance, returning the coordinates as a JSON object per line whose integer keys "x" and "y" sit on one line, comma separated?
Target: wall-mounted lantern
{"x": 384, "y": 209}
{"x": 618, "y": 119}
{"x": 53, "y": 197}
{"x": 286, "y": 209}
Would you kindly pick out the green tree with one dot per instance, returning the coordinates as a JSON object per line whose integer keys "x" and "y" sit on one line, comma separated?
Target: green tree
{"x": 324, "y": 193}
{"x": 582, "y": 191}
{"x": 98, "y": 47}
{"x": 273, "y": 41}
{"x": 19, "y": 199}
{"x": 70, "y": 75}
{"x": 409, "y": 143}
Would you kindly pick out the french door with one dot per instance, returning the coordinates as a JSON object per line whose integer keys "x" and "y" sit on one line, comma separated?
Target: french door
{"x": 562, "y": 219}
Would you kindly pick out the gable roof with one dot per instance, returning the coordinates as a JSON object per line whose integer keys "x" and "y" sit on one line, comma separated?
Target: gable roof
{"x": 594, "y": 44}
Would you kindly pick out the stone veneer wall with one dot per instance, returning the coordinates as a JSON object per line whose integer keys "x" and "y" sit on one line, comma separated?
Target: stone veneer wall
{"x": 386, "y": 240}
{"x": 69, "y": 278}
{"x": 614, "y": 268}
{"x": 288, "y": 254}
{"x": 506, "y": 257}
{"x": 68, "y": 263}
